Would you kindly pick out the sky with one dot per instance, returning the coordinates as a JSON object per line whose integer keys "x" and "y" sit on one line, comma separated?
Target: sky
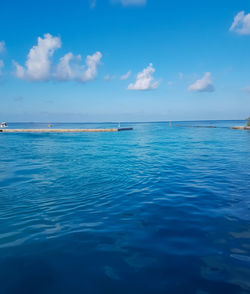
{"x": 124, "y": 60}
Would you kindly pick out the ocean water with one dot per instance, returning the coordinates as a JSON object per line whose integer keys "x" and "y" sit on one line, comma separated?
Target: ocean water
{"x": 155, "y": 210}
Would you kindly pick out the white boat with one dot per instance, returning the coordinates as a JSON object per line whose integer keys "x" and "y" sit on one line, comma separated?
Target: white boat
{"x": 3, "y": 125}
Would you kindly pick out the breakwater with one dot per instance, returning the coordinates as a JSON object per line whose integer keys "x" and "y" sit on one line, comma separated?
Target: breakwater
{"x": 63, "y": 130}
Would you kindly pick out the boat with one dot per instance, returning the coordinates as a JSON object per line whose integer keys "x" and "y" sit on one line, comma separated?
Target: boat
{"x": 3, "y": 125}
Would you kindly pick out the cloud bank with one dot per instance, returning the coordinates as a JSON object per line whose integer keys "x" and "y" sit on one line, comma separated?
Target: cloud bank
{"x": 241, "y": 24}
{"x": 38, "y": 66}
{"x": 144, "y": 80}
{"x": 203, "y": 85}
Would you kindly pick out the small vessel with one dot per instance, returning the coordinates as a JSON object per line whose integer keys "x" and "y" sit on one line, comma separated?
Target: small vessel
{"x": 3, "y": 125}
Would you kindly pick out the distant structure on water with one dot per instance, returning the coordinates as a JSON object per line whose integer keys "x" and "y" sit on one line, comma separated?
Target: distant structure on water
{"x": 3, "y": 125}
{"x": 248, "y": 122}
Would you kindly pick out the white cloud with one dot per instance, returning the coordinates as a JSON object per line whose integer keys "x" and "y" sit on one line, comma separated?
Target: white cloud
{"x": 241, "y": 23}
{"x": 145, "y": 80}
{"x": 2, "y": 46}
{"x": 126, "y": 76}
{"x": 92, "y": 62}
{"x": 38, "y": 62}
{"x": 170, "y": 83}
{"x": 38, "y": 66}
{"x": 69, "y": 68}
{"x": 203, "y": 85}
{"x": 133, "y": 2}
{"x": 63, "y": 70}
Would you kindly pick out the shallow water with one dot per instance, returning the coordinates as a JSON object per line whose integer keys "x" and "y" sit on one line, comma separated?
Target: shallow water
{"x": 155, "y": 210}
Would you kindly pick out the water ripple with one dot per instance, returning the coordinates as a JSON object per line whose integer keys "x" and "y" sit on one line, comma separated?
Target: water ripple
{"x": 147, "y": 211}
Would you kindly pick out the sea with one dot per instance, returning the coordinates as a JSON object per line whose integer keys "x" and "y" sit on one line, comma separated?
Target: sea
{"x": 164, "y": 208}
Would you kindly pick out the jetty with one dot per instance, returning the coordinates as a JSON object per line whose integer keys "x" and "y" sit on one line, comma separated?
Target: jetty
{"x": 63, "y": 130}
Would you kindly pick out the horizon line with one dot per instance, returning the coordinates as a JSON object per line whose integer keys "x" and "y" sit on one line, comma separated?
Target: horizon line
{"x": 115, "y": 122}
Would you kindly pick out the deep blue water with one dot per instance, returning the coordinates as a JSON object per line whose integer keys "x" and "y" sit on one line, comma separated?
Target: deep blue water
{"x": 155, "y": 210}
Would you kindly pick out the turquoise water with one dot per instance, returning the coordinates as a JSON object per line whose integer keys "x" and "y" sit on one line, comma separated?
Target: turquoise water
{"x": 155, "y": 210}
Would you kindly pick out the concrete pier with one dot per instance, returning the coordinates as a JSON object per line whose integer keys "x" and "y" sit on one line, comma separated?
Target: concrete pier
{"x": 63, "y": 130}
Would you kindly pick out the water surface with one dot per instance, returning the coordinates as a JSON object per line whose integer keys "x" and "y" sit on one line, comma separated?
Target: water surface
{"x": 155, "y": 210}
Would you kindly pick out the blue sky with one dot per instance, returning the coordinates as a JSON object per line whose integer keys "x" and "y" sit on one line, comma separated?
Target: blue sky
{"x": 124, "y": 60}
